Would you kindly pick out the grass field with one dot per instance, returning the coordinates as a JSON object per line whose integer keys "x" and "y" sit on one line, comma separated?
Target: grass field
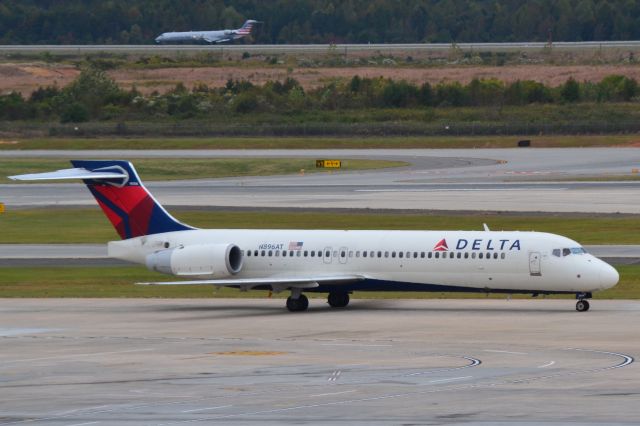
{"x": 151, "y": 169}
{"x": 70, "y": 225}
{"x": 119, "y": 282}
{"x": 317, "y": 142}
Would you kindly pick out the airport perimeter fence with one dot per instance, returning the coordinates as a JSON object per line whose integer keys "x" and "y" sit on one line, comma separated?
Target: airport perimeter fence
{"x": 206, "y": 129}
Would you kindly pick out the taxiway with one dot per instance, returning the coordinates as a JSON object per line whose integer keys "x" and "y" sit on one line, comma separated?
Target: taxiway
{"x": 172, "y": 362}
{"x": 525, "y": 180}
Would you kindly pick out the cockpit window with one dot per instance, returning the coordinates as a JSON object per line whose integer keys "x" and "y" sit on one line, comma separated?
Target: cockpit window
{"x": 567, "y": 251}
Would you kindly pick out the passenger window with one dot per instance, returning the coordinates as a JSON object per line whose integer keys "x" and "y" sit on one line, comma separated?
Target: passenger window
{"x": 313, "y": 253}
{"x": 451, "y": 255}
{"x": 437, "y": 255}
{"x": 270, "y": 253}
{"x": 480, "y": 255}
{"x": 473, "y": 255}
{"x": 415, "y": 254}
{"x": 466, "y": 255}
{"x": 277, "y": 253}
{"x": 298, "y": 254}
{"x": 364, "y": 254}
{"x": 357, "y": 254}
{"x": 343, "y": 254}
{"x": 386, "y": 254}
{"x": 379, "y": 254}
{"x": 291, "y": 253}
{"x": 556, "y": 252}
{"x": 263, "y": 253}
{"x": 430, "y": 255}
{"x": 400, "y": 254}
{"x": 422, "y": 255}
{"x": 502, "y": 255}
{"x": 459, "y": 255}
{"x": 306, "y": 253}
{"x": 249, "y": 253}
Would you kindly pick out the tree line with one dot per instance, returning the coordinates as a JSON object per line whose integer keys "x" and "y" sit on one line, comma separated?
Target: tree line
{"x": 95, "y": 96}
{"x": 321, "y": 21}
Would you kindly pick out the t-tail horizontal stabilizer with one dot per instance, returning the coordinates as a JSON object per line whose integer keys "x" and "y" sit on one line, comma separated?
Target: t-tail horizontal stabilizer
{"x": 75, "y": 173}
{"x": 118, "y": 190}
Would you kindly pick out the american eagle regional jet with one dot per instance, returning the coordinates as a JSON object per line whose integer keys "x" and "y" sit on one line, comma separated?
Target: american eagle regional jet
{"x": 334, "y": 262}
{"x": 220, "y": 36}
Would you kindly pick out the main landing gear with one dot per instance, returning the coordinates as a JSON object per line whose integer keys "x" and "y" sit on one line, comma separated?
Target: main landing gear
{"x": 338, "y": 300}
{"x": 297, "y": 302}
{"x": 582, "y": 305}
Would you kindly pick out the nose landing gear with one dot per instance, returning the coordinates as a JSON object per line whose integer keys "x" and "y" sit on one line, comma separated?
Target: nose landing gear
{"x": 582, "y": 305}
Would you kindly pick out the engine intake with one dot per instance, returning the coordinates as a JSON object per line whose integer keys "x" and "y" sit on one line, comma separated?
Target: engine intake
{"x": 206, "y": 260}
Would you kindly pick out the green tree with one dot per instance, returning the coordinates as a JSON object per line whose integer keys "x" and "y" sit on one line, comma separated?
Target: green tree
{"x": 570, "y": 91}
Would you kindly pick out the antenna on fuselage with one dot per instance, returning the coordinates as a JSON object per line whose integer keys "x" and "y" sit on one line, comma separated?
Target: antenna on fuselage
{"x": 486, "y": 228}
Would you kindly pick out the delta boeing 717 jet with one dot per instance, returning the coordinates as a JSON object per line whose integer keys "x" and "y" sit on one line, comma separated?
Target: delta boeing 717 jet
{"x": 336, "y": 262}
{"x": 220, "y": 36}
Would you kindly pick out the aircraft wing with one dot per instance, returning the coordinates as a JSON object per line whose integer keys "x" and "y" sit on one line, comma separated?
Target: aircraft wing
{"x": 219, "y": 40}
{"x": 277, "y": 283}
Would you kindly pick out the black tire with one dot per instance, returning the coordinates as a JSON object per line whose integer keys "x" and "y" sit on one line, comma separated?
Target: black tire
{"x": 297, "y": 305}
{"x": 303, "y": 302}
{"x": 582, "y": 306}
{"x": 338, "y": 300}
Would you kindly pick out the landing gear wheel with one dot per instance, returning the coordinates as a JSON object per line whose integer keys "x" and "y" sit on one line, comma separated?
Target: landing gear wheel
{"x": 338, "y": 300}
{"x": 582, "y": 306}
{"x": 297, "y": 305}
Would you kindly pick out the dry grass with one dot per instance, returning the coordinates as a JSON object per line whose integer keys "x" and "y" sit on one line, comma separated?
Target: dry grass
{"x": 25, "y": 78}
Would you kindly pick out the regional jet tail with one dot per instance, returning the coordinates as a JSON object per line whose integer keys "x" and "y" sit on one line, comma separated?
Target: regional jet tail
{"x": 333, "y": 262}
{"x": 220, "y": 36}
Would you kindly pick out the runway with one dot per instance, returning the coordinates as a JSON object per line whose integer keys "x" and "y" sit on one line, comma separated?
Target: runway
{"x": 318, "y": 48}
{"x": 161, "y": 362}
{"x": 524, "y": 180}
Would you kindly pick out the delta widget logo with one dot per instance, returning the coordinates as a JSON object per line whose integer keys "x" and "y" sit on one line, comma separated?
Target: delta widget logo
{"x": 441, "y": 246}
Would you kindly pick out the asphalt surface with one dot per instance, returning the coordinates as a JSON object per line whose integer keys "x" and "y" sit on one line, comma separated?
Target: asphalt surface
{"x": 317, "y": 48}
{"x": 242, "y": 362}
{"x": 525, "y": 180}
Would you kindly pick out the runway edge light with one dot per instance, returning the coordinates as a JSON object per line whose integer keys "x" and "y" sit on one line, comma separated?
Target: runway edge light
{"x": 1, "y": 208}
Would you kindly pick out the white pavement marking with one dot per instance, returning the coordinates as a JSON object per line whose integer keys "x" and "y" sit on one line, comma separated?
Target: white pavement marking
{"x": 207, "y": 409}
{"x": 547, "y": 365}
{"x": 77, "y": 355}
{"x": 356, "y": 345}
{"x": 504, "y": 352}
{"x": 83, "y": 424}
{"x": 450, "y": 380}
{"x": 332, "y": 393}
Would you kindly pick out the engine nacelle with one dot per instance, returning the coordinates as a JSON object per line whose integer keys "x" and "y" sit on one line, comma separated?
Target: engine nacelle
{"x": 207, "y": 260}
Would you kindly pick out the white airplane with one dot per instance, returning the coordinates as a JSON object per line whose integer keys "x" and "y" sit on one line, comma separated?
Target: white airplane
{"x": 220, "y": 36}
{"x": 334, "y": 262}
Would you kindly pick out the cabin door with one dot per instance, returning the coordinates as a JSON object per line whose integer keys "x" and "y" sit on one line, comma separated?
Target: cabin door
{"x": 534, "y": 264}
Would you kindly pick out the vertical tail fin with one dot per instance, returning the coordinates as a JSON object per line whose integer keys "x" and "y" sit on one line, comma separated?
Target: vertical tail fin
{"x": 123, "y": 198}
{"x": 247, "y": 27}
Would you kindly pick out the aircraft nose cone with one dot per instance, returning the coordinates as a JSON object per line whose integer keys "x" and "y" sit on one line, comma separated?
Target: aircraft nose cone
{"x": 608, "y": 276}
